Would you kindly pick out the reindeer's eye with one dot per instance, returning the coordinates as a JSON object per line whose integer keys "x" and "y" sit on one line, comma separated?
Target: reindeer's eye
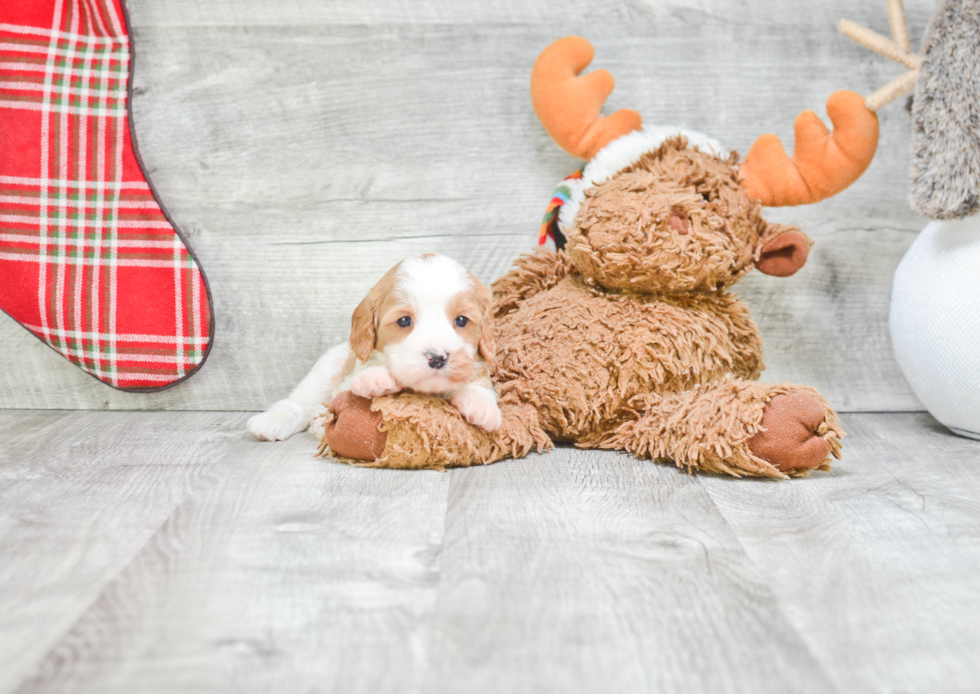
{"x": 461, "y": 321}
{"x": 404, "y": 321}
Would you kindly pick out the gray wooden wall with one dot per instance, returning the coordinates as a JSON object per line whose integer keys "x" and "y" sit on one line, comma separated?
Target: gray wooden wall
{"x": 304, "y": 147}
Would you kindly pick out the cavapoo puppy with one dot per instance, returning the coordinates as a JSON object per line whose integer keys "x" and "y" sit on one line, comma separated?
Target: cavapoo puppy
{"x": 426, "y": 326}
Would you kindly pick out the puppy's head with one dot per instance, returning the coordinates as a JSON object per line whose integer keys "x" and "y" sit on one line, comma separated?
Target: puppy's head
{"x": 431, "y": 318}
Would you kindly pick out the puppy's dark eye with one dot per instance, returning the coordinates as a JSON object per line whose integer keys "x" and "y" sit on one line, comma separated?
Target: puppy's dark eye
{"x": 706, "y": 197}
{"x": 461, "y": 321}
{"x": 404, "y": 321}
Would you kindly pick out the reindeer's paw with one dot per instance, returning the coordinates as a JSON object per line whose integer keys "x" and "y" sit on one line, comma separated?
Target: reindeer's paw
{"x": 795, "y": 432}
{"x": 374, "y": 382}
{"x": 478, "y": 407}
{"x": 351, "y": 428}
{"x": 280, "y": 421}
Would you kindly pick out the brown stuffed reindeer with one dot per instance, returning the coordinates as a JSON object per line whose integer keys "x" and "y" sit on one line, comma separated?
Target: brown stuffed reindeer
{"x": 628, "y": 337}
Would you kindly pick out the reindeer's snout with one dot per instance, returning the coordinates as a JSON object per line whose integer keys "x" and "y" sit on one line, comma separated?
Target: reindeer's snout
{"x": 679, "y": 222}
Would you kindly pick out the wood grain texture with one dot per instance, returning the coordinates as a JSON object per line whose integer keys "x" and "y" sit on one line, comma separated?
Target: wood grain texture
{"x": 306, "y": 147}
{"x": 162, "y": 552}
{"x": 81, "y": 494}
{"x": 877, "y": 564}
{"x": 592, "y": 571}
{"x": 272, "y": 567}
{"x": 304, "y": 12}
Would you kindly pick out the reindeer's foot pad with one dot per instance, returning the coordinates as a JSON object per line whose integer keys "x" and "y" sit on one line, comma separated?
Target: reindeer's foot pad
{"x": 352, "y": 430}
{"x": 734, "y": 427}
{"x": 796, "y": 436}
{"x": 411, "y": 430}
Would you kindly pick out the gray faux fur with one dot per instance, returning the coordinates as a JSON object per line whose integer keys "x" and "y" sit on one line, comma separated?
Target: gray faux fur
{"x": 945, "y": 172}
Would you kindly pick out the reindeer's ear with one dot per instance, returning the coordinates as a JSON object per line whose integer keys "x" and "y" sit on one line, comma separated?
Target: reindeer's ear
{"x": 362, "y": 331}
{"x": 487, "y": 347}
{"x": 783, "y": 250}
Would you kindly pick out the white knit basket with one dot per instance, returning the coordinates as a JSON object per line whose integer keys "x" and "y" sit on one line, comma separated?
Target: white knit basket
{"x": 935, "y": 321}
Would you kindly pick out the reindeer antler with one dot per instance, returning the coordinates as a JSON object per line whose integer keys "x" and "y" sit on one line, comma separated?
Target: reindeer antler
{"x": 897, "y": 49}
{"x": 824, "y": 163}
{"x": 568, "y": 106}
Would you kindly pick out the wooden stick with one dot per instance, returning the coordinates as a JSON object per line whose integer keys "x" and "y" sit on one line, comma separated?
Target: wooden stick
{"x": 900, "y": 30}
{"x": 879, "y": 44}
{"x": 892, "y": 90}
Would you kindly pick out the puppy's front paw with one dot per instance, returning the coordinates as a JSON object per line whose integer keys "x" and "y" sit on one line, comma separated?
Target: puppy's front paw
{"x": 480, "y": 409}
{"x": 374, "y": 382}
{"x": 280, "y": 421}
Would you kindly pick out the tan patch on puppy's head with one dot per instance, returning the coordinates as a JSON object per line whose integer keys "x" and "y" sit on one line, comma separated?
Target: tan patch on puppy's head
{"x": 393, "y": 308}
{"x": 372, "y": 325}
{"x": 400, "y": 307}
{"x": 476, "y": 305}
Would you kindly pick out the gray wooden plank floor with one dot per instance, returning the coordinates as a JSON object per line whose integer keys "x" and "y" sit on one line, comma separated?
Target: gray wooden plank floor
{"x": 306, "y": 146}
{"x": 161, "y": 552}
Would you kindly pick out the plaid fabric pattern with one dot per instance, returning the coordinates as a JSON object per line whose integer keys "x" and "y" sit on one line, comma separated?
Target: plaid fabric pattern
{"x": 89, "y": 262}
{"x": 549, "y": 225}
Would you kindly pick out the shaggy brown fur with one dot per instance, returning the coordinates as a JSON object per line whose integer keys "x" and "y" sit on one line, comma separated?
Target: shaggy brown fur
{"x": 612, "y": 346}
{"x": 709, "y": 427}
{"x": 425, "y": 431}
{"x": 630, "y": 340}
{"x": 532, "y": 274}
{"x": 623, "y": 237}
{"x": 627, "y": 214}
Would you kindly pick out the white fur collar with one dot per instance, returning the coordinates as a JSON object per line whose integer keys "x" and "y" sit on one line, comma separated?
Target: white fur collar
{"x": 619, "y": 154}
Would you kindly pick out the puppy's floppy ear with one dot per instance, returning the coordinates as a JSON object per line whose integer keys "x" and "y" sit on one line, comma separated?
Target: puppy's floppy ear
{"x": 487, "y": 347}
{"x": 362, "y": 331}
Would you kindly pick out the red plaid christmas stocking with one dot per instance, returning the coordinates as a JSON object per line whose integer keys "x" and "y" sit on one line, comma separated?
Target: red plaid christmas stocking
{"x": 89, "y": 261}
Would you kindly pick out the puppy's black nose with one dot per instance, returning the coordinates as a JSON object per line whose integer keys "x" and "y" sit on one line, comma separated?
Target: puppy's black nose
{"x": 437, "y": 360}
